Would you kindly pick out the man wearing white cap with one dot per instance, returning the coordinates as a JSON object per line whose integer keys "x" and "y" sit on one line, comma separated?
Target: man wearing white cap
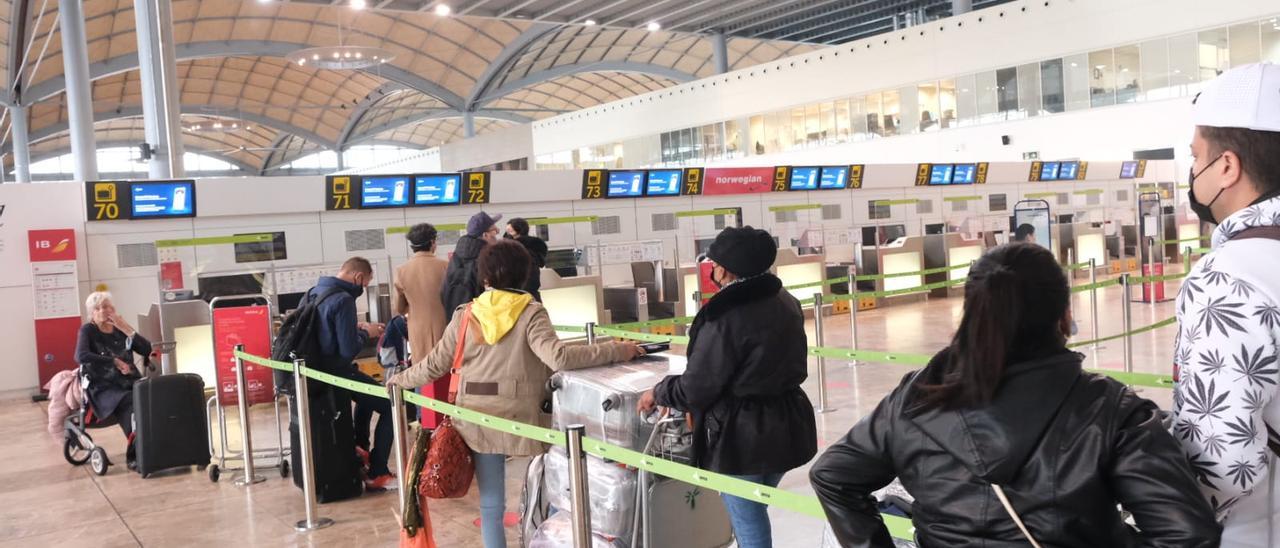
{"x": 1226, "y": 409}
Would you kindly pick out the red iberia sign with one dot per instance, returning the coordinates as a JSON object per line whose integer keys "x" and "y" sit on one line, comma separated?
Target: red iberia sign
{"x": 737, "y": 180}
{"x": 52, "y": 245}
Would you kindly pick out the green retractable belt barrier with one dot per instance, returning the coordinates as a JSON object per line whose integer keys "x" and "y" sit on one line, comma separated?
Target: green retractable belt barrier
{"x": 214, "y": 240}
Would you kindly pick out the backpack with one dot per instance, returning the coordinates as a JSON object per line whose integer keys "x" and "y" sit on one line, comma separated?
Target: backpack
{"x": 297, "y": 338}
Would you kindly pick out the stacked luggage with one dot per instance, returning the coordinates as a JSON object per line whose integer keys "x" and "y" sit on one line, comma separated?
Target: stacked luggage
{"x": 628, "y": 507}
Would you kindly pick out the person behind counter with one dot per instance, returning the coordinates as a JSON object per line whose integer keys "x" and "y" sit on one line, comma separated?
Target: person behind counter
{"x": 747, "y": 356}
{"x": 518, "y": 230}
{"x": 106, "y": 347}
{"x": 509, "y": 351}
{"x": 1003, "y": 430}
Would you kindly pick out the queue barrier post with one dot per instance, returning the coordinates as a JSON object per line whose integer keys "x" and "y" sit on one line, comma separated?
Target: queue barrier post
{"x": 578, "y": 486}
{"x": 591, "y": 332}
{"x": 1093, "y": 300}
{"x": 697, "y": 302}
{"x": 1151, "y": 270}
{"x": 853, "y": 311}
{"x": 400, "y": 431}
{"x": 822, "y": 361}
{"x": 312, "y": 522}
{"x": 1128, "y": 323}
{"x": 246, "y": 436}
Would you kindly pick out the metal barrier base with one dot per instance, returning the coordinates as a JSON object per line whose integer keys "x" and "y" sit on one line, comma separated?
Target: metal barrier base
{"x": 320, "y": 523}
{"x": 243, "y": 481}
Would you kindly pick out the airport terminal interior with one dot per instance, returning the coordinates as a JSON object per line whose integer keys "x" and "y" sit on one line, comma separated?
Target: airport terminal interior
{"x": 178, "y": 175}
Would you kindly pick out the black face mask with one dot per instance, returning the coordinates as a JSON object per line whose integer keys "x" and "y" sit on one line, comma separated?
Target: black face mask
{"x": 1203, "y": 211}
{"x": 508, "y": 236}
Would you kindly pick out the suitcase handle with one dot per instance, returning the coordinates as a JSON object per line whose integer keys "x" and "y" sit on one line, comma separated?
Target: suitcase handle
{"x": 612, "y": 402}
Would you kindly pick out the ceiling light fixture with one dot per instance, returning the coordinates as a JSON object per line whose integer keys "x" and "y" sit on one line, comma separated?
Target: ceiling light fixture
{"x": 340, "y": 57}
{"x": 443, "y": 10}
{"x": 358, "y": 4}
{"x": 589, "y": 22}
{"x": 654, "y": 26}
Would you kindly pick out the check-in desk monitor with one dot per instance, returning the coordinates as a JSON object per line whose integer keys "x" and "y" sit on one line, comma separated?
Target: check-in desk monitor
{"x": 573, "y": 301}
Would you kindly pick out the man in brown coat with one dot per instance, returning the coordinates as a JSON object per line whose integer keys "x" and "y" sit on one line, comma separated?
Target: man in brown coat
{"x": 418, "y": 284}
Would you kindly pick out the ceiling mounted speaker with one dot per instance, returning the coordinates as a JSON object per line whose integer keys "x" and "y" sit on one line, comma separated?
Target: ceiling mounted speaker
{"x": 1005, "y": 140}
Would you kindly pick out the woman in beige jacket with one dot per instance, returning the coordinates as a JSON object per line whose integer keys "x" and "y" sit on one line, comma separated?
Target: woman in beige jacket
{"x": 510, "y": 350}
{"x": 418, "y": 283}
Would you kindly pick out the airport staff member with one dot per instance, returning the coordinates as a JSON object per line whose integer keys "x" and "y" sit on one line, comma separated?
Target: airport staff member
{"x": 1025, "y": 233}
{"x": 1226, "y": 401}
{"x": 419, "y": 282}
{"x": 748, "y": 355}
{"x": 462, "y": 283}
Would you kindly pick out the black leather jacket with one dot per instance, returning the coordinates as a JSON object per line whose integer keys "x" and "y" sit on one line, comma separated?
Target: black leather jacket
{"x": 1065, "y": 445}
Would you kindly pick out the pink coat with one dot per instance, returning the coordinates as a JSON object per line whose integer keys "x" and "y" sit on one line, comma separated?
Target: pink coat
{"x": 65, "y": 395}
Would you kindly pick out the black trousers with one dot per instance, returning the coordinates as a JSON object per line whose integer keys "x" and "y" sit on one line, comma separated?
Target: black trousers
{"x": 124, "y": 414}
{"x": 383, "y": 433}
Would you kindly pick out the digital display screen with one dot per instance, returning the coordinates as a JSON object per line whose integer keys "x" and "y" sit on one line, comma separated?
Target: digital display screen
{"x": 385, "y": 191}
{"x": 1049, "y": 171}
{"x": 964, "y": 174}
{"x": 804, "y": 178}
{"x": 836, "y": 177}
{"x": 625, "y": 184}
{"x": 940, "y": 174}
{"x": 1129, "y": 170}
{"x": 436, "y": 189}
{"x": 1069, "y": 171}
{"x": 663, "y": 182}
{"x": 163, "y": 199}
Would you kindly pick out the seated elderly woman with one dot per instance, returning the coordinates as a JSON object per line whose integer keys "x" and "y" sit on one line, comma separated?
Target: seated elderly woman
{"x": 106, "y": 347}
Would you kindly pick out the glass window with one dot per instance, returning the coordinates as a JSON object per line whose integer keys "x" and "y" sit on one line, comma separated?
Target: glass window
{"x": 756, "y": 134}
{"x": 875, "y": 107}
{"x": 712, "y": 140}
{"x": 1246, "y": 45}
{"x": 799, "y": 133}
{"x": 947, "y": 103}
{"x": 813, "y": 124}
{"x": 1155, "y": 70}
{"x": 842, "y": 121}
{"x": 1214, "y": 53}
{"x": 733, "y": 135}
{"x": 967, "y": 99}
{"x": 783, "y": 124}
{"x": 858, "y": 117}
{"x": 667, "y": 148}
{"x": 1029, "y": 89}
{"x": 1051, "y": 90}
{"x": 891, "y": 107}
{"x": 1102, "y": 78}
{"x": 1271, "y": 39}
{"x": 1076, "y": 78}
{"x": 1128, "y": 70}
{"x": 1007, "y": 90}
{"x": 827, "y": 123}
{"x": 1184, "y": 60}
{"x": 987, "y": 97}
{"x": 927, "y": 104}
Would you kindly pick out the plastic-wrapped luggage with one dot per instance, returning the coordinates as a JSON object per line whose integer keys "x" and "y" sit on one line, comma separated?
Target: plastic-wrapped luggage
{"x": 604, "y": 398}
{"x": 557, "y": 532}
{"x": 611, "y": 492}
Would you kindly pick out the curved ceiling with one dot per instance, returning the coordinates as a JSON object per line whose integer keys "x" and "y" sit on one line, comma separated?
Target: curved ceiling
{"x": 231, "y": 64}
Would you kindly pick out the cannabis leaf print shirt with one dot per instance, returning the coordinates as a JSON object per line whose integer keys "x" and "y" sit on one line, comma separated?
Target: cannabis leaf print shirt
{"x": 1227, "y": 349}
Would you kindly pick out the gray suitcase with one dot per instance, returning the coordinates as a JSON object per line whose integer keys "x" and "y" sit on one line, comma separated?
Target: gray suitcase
{"x": 604, "y": 398}
{"x": 557, "y": 532}
{"x": 679, "y": 514}
{"x": 611, "y": 492}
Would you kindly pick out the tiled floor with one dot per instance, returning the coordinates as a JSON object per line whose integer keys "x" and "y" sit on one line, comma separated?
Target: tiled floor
{"x": 46, "y": 502}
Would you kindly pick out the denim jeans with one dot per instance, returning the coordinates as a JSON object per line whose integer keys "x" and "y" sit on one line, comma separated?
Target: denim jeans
{"x": 491, "y": 474}
{"x": 750, "y": 520}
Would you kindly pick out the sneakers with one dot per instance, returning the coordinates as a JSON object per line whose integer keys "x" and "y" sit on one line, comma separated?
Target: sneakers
{"x": 363, "y": 454}
{"x": 380, "y": 483}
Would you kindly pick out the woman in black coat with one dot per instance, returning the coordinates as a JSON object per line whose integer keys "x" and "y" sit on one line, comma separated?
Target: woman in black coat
{"x": 1005, "y": 441}
{"x": 106, "y": 347}
{"x": 747, "y": 355}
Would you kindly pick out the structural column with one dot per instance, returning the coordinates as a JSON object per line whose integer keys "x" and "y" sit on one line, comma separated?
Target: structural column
{"x": 75, "y": 67}
{"x": 468, "y": 124}
{"x": 961, "y": 6}
{"x": 21, "y": 144}
{"x": 161, "y": 113}
{"x": 720, "y": 52}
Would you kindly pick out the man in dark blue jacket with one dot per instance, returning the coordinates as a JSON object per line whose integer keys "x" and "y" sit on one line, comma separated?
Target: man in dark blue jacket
{"x": 342, "y": 336}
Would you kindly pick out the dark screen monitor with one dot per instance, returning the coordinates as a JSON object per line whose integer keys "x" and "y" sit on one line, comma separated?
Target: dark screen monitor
{"x": 663, "y": 182}
{"x": 563, "y": 261}
{"x": 1069, "y": 171}
{"x": 804, "y": 178}
{"x": 893, "y": 232}
{"x": 941, "y": 174}
{"x": 625, "y": 184}
{"x": 1129, "y": 170}
{"x": 288, "y": 301}
{"x": 1049, "y": 171}
{"x": 834, "y": 178}
{"x": 964, "y": 174}
{"x": 228, "y": 285}
{"x": 384, "y": 191}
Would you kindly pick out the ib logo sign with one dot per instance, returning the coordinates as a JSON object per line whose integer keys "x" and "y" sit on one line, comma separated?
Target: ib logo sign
{"x": 52, "y": 245}
{"x": 53, "y": 248}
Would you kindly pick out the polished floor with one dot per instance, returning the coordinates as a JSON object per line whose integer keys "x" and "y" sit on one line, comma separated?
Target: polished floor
{"x": 46, "y": 502}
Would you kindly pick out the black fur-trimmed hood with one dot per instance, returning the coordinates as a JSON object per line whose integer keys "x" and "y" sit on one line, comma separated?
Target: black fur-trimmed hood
{"x": 734, "y": 295}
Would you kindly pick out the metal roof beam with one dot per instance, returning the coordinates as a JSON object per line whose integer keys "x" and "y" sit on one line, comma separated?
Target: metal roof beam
{"x": 205, "y": 151}
{"x": 503, "y": 61}
{"x": 600, "y": 66}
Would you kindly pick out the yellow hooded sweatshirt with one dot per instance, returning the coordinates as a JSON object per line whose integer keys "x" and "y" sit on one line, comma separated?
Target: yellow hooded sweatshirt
{"x": 497, "y": 312}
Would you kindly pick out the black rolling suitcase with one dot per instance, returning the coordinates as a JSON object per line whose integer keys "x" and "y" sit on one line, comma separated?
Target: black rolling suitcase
{"x": 170, "y": 422}
{"x": 333, "y": 444}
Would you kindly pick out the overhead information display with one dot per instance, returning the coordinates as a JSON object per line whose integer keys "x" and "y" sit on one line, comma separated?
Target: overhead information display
{"x": 1129, "y": 170}
{"x": 1068, "y": 171}
{"x": 834, "y": 178}
{"x": 625, "y": 184}
{"x": 429, "y": 190}
{"x": 663, "y": 182}
{"x": 940, "y": 174}
{"x": 1049, "y": 171}
{"x": 112, "y": 200}
{"x": 804, "y": 178}
{"x": 384, "y": 191}
{"x": 338, "y": 190}
{"x": 964, "y": 174}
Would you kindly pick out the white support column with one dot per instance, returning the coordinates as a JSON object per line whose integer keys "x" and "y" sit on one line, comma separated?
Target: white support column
{"x": 75, "y": 66}
{"x": 21, "y": 144}
{"x": 161, "y": 113}
{"x": 720, "y": 52}
{"x": 961, "y": 6}
{"x": 468, "y": 124}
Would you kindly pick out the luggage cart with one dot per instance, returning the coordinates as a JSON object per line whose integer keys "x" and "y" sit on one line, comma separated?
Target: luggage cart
{"x": 225, "y": 382}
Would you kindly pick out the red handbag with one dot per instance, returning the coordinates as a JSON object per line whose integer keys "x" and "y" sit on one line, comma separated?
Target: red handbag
{"x": 450, "y": 465}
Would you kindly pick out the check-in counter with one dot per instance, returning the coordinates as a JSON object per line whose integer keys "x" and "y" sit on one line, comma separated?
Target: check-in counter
{"x": 949, "y": 250}
{"x": 795, "y": 269}
{"x": 182, "y": 331}
{"x": 897, "y": 257}
{"x": 573, "y": 301}
{"x": 1090, "y": 243}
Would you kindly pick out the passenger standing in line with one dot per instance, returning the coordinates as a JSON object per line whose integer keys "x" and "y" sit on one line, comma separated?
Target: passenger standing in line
{"x": 341, "y": 337}
{"x": 509, "y": 351}
{"x": 1007, "y": 411}
{"x": 419, "y": 282}
{"x": 461, "y": 282}
{"x": 1226, "y": 410}
{"x": 518, "y": 230}
{"x": 747, "y": 357}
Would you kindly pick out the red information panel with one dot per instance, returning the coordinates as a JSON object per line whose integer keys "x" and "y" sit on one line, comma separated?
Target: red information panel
{"x": 737, "y": 180}
{"x": 52, "y": 245}
{"x": 1152, "y": 290}
{"x": 250, "y": 326}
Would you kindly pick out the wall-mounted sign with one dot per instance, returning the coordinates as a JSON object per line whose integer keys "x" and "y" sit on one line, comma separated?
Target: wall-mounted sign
{"x": 692, "y": 182}
{"x": 922, "y": 174}
{"x": 781, "y": 178}
{"x": 737, "y": 180}
{"x": 855, "y": 175}
{"x": 981, "y": 177}
{"x": 477, "y": 187}
{"x": 1036, "y": 170}
{"x": 118, "y": 200}
{"x": 338, "y": 192}
{"x": 593, "y": 184}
